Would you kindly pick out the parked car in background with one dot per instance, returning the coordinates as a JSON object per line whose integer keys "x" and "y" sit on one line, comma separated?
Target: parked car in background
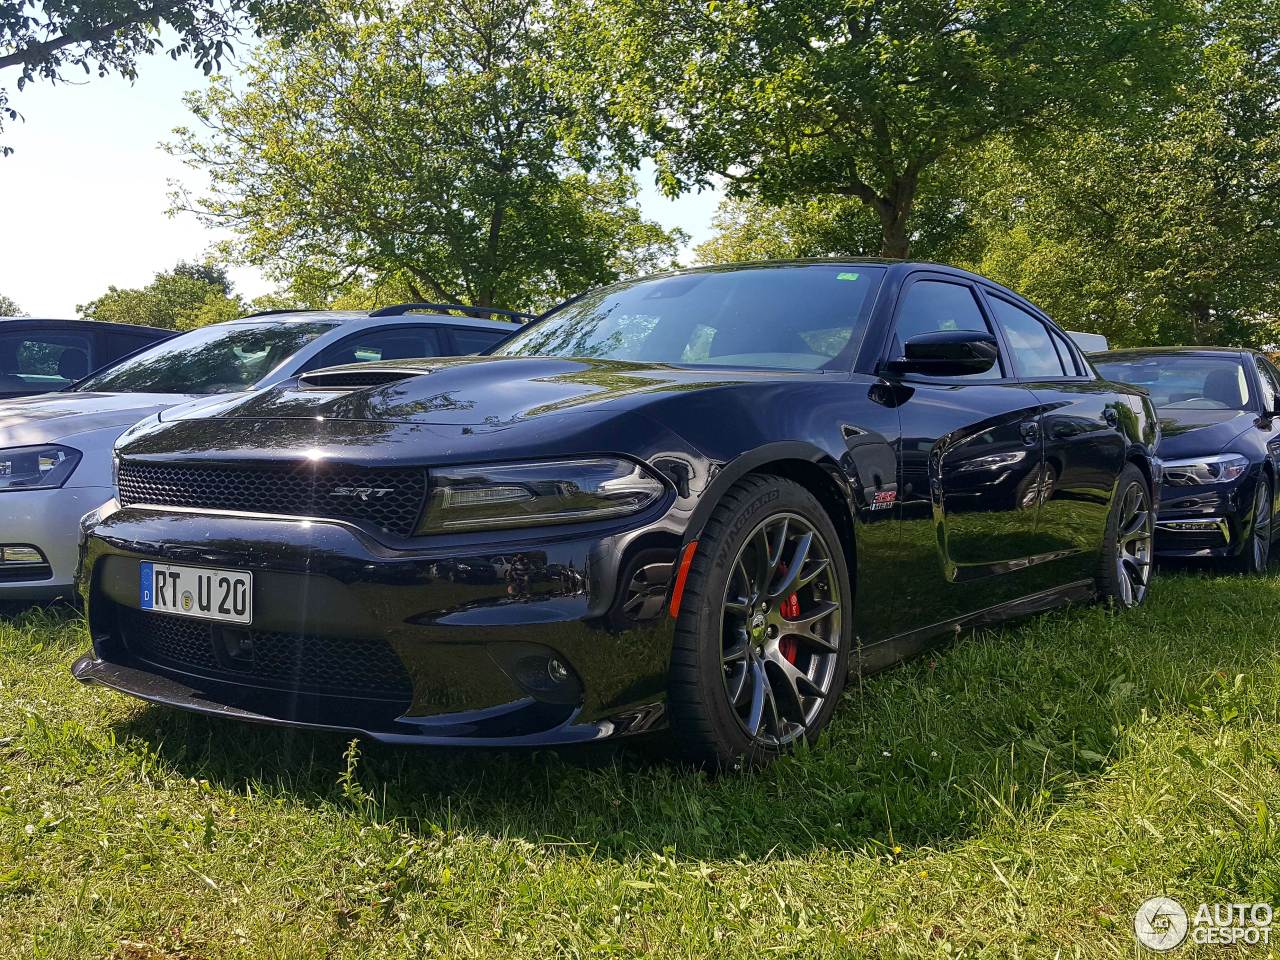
{"x": 698, "y": 499}
{"x": 55, "y": 450}
{"x": 38, "y": 356}
{"x": 1220, "y": 440}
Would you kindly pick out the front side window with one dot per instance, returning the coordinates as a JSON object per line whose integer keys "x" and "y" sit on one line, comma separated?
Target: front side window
{"x": 933, "y": 306}
{"x": 43, "y": 361}
{"x": 469, "y": 340}
{"x": 1270, "y": 388}
{"x": 224, "y": 358}
{"x": 1035, "y": 353}
{"x": 797, "y": 317}
{"x": 1181, "y": 381}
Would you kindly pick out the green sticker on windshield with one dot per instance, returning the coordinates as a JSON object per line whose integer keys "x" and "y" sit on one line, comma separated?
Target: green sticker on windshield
{"x": 846, "y": 276}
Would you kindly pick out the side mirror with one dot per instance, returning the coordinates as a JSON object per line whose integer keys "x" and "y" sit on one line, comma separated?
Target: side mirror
{"x": 947, "y": 353}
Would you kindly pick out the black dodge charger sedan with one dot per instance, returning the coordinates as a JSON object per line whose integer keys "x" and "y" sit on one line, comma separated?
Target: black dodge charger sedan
{"x": 1219, "y": 443}
{"x": 697, "y": 500}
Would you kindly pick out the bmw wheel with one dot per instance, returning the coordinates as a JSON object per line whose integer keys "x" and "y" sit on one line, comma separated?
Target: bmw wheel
{"x": 1256, "y": 554}
{"x": 763, "y": 637}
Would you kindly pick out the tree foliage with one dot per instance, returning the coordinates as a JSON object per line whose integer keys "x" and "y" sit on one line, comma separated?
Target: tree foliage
{"x": 415, "y": 144}
{"x": 188, "y": 296}
{"x": 1161, "y": 232}
{"x": 46, "y": 40}
{"x": 790, "y": 99}
{"x": 748, "y": 228}
{"x": 9, "y": 307}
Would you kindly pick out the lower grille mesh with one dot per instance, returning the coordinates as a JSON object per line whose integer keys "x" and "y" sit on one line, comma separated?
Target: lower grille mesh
{"x": 286, "y": 661}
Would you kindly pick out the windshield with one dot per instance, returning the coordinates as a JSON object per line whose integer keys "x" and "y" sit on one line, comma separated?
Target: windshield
{"x": 797, "y": 317}
{"x": 1182, "y": 381}
{"x": 224, "y": 358}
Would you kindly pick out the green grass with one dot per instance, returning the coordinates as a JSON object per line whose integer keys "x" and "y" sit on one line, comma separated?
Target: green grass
{"x": 1015, "y": 795}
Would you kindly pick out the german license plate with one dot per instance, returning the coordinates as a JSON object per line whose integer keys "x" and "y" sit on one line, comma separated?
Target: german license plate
{"x": 225, "y": 595}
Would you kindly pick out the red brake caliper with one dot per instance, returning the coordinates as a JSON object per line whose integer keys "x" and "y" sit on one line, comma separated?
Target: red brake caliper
{"x": 790, "y": 608}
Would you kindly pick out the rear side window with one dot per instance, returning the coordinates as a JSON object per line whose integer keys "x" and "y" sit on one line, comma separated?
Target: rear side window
{"x": 43, "y": 361}
{"x": 932, "y": 306}
{"x": 393, "y": 343}
{"x": 120, "y": 344}
{"x": 470, "y": 340}
{"x": 1035, "y": 352}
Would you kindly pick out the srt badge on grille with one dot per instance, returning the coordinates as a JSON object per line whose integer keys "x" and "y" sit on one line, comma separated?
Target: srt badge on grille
{"x": 361, "y": 493}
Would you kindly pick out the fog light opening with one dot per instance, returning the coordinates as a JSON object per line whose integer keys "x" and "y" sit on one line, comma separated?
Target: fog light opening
{"x": 21, "y": 554}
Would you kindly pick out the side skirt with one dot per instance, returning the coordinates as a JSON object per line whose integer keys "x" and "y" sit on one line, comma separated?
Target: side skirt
{"x": 886, "y": 653}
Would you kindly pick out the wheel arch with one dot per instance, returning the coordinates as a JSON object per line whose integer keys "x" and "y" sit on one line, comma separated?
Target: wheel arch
{"x": 803, "y": 464}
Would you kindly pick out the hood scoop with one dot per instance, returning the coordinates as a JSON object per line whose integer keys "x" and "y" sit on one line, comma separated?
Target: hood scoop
{"x": 349, "y": 378}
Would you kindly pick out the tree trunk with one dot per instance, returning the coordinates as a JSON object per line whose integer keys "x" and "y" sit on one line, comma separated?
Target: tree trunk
{"x": 895, "y": 214}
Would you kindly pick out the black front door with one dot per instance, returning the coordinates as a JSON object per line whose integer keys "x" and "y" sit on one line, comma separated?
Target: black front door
{"x": 970, "y": 465}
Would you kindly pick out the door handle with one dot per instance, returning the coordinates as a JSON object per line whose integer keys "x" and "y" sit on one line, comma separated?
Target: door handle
{"x": 1030, "y": 432}
{"x": 1109, "y": 414}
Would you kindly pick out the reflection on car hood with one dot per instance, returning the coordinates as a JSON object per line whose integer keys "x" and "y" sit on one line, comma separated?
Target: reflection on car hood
{"x": 1189, "y": 433}
{"x": 481, "y": 390}
{"x": 51, "y": 417}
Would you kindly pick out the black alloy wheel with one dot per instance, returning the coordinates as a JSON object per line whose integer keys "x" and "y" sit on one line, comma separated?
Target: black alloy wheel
{"x": 762, "y": 642}
{"x": 1127, "y": 560}
{"x": 1256, "y": 554}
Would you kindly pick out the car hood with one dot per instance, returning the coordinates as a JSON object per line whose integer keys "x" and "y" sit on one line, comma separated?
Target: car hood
{"x": 1189, "y": 433}
{"x": 51, "y": 417}
{"x": 473, "y": 391}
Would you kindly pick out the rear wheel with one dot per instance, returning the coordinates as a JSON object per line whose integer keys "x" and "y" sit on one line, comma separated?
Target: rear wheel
{"x": 762, "y": 641}
{"x": 1126, "y": 566}
{"x": 1255, "y": 556}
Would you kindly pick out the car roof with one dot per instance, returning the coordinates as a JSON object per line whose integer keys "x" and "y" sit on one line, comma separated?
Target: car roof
{"x": 1170, "y": 351}
{"x": 92, "y": 324}
{"x": 347, "y": 317}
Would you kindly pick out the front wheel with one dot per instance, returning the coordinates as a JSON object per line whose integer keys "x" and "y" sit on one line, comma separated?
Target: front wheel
{"x": 1256, "y": 554}
{"x": 762, "y": 641}
{"x": 1126, "y": 566}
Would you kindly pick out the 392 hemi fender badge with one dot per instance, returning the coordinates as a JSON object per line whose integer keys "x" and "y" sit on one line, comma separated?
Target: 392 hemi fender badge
{"x": 884, "y": 499}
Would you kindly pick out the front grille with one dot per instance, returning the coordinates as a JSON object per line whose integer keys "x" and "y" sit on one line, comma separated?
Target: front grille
{"x": 336, "y": 666}
{"x": 388, "y": 498}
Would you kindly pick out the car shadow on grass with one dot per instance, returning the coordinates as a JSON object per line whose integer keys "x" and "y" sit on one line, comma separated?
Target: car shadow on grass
{"x": 999, "y": 723}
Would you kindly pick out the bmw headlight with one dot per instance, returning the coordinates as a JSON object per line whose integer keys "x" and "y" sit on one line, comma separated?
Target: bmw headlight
{"x": 494, "y": 496}
{"x": 1195, "y": 471}
{"x": 36, "y": 468}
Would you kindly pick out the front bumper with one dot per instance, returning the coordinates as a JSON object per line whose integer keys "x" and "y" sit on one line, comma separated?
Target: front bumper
{"x": 50, "y": 521}
{"x": 1211, "y": 521}
{"x": 429, "y": 646}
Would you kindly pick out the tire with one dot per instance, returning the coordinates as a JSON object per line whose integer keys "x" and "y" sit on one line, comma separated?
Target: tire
{"x": 1256, "y": 555}
{"x": 1127, "y": 561}
{"x": 762, "y": 642}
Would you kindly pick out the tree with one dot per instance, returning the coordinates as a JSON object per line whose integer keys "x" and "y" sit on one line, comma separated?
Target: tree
{"x": 1164, "y": 232}
{"x": 9, "y": 307}
{"x": 41, "y": 41}
{"x": 833, "y": 226}
{"x": 853, "y": 98}
{"x": 186, "y": 297}
{"x": 414, "y": 144}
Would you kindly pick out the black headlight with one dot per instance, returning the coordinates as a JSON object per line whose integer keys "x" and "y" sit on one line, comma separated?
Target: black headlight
{"x": 494, "y": 496}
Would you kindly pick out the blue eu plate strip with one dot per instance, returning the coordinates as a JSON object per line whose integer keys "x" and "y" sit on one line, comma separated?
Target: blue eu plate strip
{"x": 147, "y": 578}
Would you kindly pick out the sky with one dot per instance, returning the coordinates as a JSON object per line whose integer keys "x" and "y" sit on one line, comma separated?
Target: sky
{"x": 83, "y": 197}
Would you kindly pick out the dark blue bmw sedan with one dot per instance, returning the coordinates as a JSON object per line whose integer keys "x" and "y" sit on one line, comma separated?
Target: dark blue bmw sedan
{"x": 1220, "y": 441}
